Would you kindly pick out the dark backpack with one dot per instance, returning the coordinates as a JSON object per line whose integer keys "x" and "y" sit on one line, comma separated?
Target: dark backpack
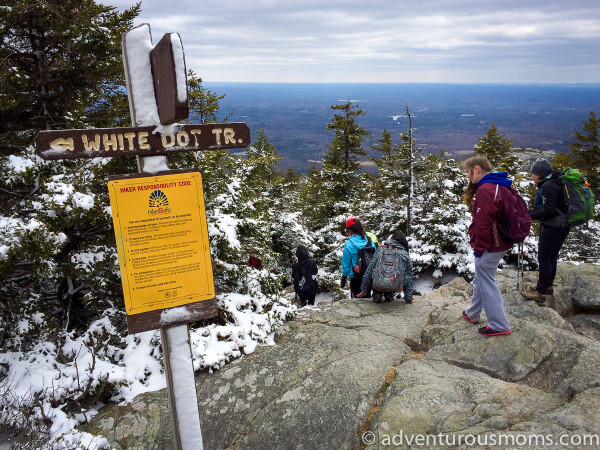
{"x": 578, "y": 197}
{"x": 305, "y": 280}
{"x": 514, "y": 223}
{"x": 365, "y": 255}
{"x": 388, "y": 273}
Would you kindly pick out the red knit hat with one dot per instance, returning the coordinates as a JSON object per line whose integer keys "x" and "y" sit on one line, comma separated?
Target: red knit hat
{"x": 350, "y": 221}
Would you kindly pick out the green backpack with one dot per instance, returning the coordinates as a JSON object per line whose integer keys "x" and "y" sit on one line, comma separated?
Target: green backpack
{"x": 578, "y": 197}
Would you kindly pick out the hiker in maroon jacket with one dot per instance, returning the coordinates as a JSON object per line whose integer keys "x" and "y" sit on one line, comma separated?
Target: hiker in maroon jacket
{"x": 486, "y": 242}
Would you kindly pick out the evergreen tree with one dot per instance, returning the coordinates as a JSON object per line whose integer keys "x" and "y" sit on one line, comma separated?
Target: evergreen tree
{"x": 263, "y": 156}
{"x": 390, "y": 164}
{"x": 385, "y": 146}
{"x": 392, "y": 184}
{"x": 349, "y": 137}
{"x": 261, "y": 146}
{"x": 394, "y": 179}
{"x": 316, "y": 203}
{"x": 60, "y": 67}
{"x": 561, "y": 161}
{"x": 586, "y": 151}
{"x": 341, "y": 159}
{"x": 204, "y": 104}
{"x": 440, "y": 233}
{"x": 495, "y": 147}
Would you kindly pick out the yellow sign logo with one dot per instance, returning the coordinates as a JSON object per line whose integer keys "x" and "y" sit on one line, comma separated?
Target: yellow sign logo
{"x": 158, "y": 203}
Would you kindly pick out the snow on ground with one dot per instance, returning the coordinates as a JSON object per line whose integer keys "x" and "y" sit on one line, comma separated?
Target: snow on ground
{"x": 47, "y": 375}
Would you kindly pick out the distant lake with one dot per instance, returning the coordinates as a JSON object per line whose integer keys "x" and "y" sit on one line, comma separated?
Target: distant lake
{"x": 444, "y": 116}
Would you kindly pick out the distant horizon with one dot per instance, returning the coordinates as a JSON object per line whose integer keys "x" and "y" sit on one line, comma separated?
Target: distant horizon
{"x": 491, "y": 83}
{"x": 445, "y": 116}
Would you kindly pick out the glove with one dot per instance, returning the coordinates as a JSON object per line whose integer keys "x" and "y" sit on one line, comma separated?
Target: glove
{"x": 343, "y": 282}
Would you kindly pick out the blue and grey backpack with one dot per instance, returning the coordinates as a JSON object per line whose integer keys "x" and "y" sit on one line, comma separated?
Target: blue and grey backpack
{"x": 388, "y": 273}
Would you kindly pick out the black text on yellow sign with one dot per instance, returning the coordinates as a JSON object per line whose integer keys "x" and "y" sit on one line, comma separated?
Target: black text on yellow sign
{"x": 162, "y": 241}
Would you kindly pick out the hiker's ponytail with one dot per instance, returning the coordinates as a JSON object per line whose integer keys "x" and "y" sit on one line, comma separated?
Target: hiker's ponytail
{"x": 470, "y": 194}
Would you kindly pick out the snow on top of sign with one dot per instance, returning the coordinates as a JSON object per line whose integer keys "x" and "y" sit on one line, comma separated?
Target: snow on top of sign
{"x": 179, "y": 314}
{"x": 184, "y": 388}
{"x": 155, "y": 164}
{"x": 167, "y": 129}
{"x": 179, "y": 58}
{"x": 137, "y": 48}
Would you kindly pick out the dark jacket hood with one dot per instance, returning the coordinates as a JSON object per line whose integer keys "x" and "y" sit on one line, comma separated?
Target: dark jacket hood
{"x": 500, "y": 178}
{"x": 301, "y": 252}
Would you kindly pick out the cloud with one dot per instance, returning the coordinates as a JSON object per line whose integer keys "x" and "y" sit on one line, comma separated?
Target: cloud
{"x": 382, "y": 40}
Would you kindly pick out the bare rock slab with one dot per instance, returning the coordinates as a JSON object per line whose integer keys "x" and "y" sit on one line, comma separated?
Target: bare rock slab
{"x": 354, "y": 373}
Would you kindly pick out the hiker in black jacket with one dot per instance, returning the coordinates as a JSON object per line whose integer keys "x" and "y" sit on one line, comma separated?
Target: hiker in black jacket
{"x": 550, "y": 209}
{"x": 304, "y": 273}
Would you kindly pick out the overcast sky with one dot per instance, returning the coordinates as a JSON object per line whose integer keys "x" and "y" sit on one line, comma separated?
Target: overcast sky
{"x": 454, "y": 41}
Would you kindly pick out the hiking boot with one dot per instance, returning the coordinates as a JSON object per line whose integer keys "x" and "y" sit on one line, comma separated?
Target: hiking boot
{"x": 464, "y": 316}
{"x": 487, "y": 331}
{"x": 550, "y": 291}
{"x": 535, "y": 296}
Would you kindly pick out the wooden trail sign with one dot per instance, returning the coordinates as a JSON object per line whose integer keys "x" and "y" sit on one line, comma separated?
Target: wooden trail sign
{"x": 141, "y": 141}
{"x": 170, "y": 79}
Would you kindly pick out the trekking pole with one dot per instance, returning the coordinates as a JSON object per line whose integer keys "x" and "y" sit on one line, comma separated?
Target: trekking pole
{"x": 520, "y": 264}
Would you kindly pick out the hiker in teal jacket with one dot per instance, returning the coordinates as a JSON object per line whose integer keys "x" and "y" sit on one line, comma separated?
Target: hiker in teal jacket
{"x": 398, "y": 240}
{"x": 358, "y": 239}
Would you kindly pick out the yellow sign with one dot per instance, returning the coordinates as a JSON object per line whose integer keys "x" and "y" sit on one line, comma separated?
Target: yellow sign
{"x": 162, "y": 241}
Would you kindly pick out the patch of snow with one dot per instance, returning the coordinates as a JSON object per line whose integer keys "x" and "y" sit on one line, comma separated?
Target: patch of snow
{"x": 180, "y": 73}
{"x": 172, "y": 315}
{"x": 137, "y": 48}
{"x": 155, "y": 164}
{"x": 19, "y": 164}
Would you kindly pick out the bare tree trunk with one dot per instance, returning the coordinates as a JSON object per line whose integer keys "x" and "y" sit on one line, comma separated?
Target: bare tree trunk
{"x": 410, "y": 176}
